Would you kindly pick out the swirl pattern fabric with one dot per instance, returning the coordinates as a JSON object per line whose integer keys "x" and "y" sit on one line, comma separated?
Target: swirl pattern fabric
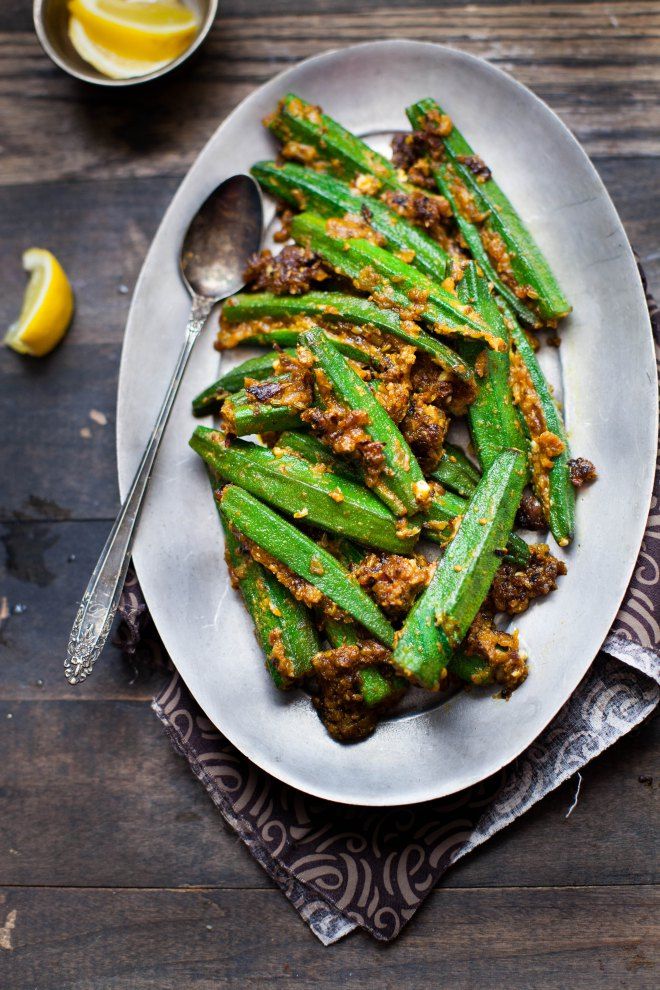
{"x": 347, "y": 867}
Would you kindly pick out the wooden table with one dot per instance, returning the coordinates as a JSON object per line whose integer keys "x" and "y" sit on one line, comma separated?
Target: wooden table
{"x": 117, "y": 871}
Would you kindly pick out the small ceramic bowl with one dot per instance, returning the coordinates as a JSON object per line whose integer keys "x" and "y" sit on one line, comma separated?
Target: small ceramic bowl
{"x": 51, "y": 21}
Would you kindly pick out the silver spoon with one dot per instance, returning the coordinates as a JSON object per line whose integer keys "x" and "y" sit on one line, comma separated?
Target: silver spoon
{"x": 225, "y": 231}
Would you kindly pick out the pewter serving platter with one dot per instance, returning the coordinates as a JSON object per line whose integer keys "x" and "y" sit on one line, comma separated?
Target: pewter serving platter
{"x": 609, "y": 389}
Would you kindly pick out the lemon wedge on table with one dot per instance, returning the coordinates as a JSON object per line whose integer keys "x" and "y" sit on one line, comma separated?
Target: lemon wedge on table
{"x": 143, "y": 31}
{"x": 47, "y": 306}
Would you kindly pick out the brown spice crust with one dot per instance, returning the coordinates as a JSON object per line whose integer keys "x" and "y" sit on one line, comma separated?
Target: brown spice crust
{"x": 582, "y": 471}
{"x": 514, "y": 589}
{"x": 342, "y": 430}
{"x": 477, "y": 166}
{"x": 428, "y": 212}
{"x": 337, "y": 697}
{"x": 545, "y": 445}
{"x": 392, "y": 580}
{"x": 302, "y": 590}
{"x": 352, "y": 226}
{"x": 394, "y": 378}
{"x": 530, "y": 513}
{"x": 291, "y": 272}
{"x": 425, "y": 427}
{"x": 499, "y": 649}
{"x": 231, "y": 335}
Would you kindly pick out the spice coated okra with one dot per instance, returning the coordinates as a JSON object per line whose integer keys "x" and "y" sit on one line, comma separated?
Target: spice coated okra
{"x": 284, "y": 628}
{"x": 305, "y": 491}
{"x": 381, "y": 273}
{"x": 520, "y": 264}
{"x": 397, "y": 306}
{"x": 305, "y": 558}
{"x": 305, "y": 189}
{"x": 404, "y": 475}
{"x": 333, "y": 307}
{"x": 494, "y": 422}
{"x": 442, "y": 616}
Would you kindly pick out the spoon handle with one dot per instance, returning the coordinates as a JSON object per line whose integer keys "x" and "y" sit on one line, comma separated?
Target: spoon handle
{"x": 99, "y": 603}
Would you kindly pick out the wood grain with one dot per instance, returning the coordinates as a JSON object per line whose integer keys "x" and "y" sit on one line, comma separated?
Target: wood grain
{"x": 506, "y": 940}
{"x": 596, "y": 64}
{"x": 104, "y": 773}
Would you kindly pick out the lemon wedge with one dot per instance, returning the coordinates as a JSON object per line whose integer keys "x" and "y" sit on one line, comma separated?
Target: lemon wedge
{"x": 107, "y": 62}
{"x": 47, "y": 306}
{"x": 157, "y": 31}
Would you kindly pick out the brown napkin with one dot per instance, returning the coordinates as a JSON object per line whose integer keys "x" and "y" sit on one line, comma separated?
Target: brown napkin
{"x": 343, "y": 867}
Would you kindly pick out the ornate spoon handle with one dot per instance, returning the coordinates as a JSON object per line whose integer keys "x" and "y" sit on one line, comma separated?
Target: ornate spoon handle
{"x": 99, "y": 603}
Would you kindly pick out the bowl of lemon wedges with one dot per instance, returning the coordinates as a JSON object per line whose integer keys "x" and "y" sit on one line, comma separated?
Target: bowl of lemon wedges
{"x": 121, "y": 42}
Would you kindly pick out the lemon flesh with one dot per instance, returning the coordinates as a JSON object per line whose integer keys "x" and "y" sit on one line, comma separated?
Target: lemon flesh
{"x": 107, "y": 62}
{"x": 159, "y": 31}
{"x": 47, "y": 306}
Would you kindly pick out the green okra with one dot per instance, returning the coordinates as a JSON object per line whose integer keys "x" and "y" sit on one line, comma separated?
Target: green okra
{"x": 284, "y": 628}
{"x": 306, "y": 189}
{"x": 456, "y": 472}
{"x": 474, "y": 670}
{"x": 561, "y": 494}
{"x": 438, "y": 525}
{"x": 373, "y": 269}
{"x": 233, "y": 380}
{"x": 404, "y": 476}
{"x": 304, "y": 491}
{"x": 441, "y": 617}
{"x": 312, "y": 450}
{"x": 442, "y": 172}
{"x": 376, "y": 687}
{"x": 528, "y": 266}
{"x": 304, "y": 124}
{"x": 494, "y": 421}
{"x": 243, "y": 415}
{"x": 279, "y": 538}
{"x": 444, "y": 509}
{"x": 338, "y": 307}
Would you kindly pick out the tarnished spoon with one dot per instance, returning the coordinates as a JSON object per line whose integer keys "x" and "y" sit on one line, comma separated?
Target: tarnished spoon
{"x": 225, "y": 231}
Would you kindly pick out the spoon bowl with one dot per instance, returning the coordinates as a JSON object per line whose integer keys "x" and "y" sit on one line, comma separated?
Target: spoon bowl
{"x": 223, "y": 234}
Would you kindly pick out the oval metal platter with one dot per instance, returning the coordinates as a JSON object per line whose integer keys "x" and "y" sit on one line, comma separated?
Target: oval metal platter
{"x": 609, "y": 389}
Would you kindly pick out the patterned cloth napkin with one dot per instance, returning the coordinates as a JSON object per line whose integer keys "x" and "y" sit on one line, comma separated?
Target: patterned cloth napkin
{"x": 343, "y": 867}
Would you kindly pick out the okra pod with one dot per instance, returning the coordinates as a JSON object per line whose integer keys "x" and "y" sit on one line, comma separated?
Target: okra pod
{"x": 442, "y": 172}
{"x": 304, "y": 491}
{"x": 306, "y": 189}
{"x": 233, "y": 380}
{"x": 376, "y": 687}
{"x": 284, "y": 628}
{"x": 243, "y": 415}
{"x": 340, "y": 308}
{"x": 439, "y": 518}
{"x": 528, "y": 268}
{"x": 300, "y": 554}
{"x": 373, "y": 269}
{"x": 494, "y": 422}
{"x": 474, "y": 670}
{"x": 553, "y": 488}
{"x": 312, "y": 450}
{"x": 404, "y": 475}
{"x": 302, "y": 125}
{"x": 456, "y": 472}
{"x": 440, "y": 619}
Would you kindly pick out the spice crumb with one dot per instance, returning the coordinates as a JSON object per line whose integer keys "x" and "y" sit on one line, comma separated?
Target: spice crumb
{"x": 98, "y": 417}
{"x": 85, "y": 433}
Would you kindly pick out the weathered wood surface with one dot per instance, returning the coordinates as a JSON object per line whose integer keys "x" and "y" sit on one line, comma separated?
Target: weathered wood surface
{"x": 103, "y": 831}
{"x": 509, "y": 939}
{"x": 138, "y": 818}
